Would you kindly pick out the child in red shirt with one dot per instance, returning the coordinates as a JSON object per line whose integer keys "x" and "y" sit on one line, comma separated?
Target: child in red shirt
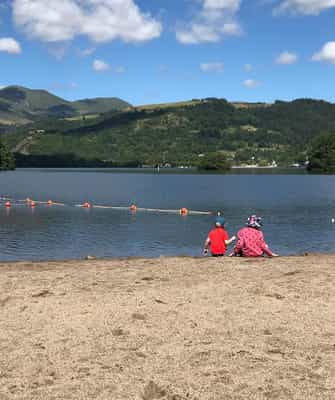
{"x": 217, "y": 240}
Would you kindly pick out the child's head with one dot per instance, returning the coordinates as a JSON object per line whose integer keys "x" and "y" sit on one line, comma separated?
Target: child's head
{"x": 254, "y": 222}
{"x": 220, "y": 220}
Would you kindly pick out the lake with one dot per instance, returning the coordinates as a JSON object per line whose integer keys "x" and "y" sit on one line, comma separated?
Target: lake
{"x": 297, "y": 211}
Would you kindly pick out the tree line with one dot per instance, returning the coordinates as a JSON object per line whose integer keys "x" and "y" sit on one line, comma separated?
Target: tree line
{"x": 209, "y": 134}
{"x": 7, "y": 160}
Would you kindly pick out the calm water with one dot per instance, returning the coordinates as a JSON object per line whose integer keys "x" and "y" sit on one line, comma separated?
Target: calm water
{"x": 297, "y": 212}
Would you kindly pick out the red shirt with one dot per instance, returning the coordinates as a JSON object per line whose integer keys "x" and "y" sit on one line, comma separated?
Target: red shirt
{"x": 250, "y": 243}
{"x": 217, "y": 239}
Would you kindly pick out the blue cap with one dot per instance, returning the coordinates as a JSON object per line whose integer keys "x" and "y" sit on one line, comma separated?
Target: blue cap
{"x": 220, "y": 220}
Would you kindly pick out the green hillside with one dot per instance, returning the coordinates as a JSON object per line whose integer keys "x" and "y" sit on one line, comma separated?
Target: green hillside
{"x": 22, "y": 105}
{"x": 7, "y": 161}
{"x": 99, "y": 105}
{"x": 180, "y": 134}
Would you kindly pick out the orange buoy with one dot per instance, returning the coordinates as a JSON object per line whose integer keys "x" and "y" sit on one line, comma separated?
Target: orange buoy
{"x": 133, "y": 208}
{"x": 7, "y": 204}
{"x": 32, "y": 204}
{"x": 50, "y": 202}
{"x": 86, "y": 205}
{"x": 183, "y": 211}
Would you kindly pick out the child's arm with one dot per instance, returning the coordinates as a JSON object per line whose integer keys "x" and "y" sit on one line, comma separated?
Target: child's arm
{"x": 206, "y": 244}
{"x": 266, "y": 248}
{"x": 238, "y": 246}
{"x": 227, "y": 242}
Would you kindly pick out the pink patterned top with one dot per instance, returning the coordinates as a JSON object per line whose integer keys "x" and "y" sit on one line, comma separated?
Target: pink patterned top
{"x": 251, "y": 243}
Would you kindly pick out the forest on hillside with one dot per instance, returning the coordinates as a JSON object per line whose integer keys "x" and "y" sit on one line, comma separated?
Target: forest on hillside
{"x": 7, "y": 160}
{"x": 178, "y": 135}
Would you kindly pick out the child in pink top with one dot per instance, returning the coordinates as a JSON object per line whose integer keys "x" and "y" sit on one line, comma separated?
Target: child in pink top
{"x": 250, "y": 240}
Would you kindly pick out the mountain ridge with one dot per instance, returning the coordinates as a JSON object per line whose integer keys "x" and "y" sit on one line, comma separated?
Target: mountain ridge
{"x": 20, "y": 105}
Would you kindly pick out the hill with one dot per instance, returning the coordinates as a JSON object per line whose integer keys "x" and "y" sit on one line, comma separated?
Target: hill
{"x": 178, "y": 134}
{"x": 21, "y": 105}
{"x": 100, "y": 105}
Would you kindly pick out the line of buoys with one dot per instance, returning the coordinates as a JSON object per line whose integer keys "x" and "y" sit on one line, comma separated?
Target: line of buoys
{"x": 152, "y": 210}
{"x": 133, "y": 207}
{"x": 31, "y": 202}
{"x": 50, "y": 203}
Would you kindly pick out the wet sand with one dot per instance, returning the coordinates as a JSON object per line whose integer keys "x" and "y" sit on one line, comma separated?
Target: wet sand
{"x": 168, "y": 328}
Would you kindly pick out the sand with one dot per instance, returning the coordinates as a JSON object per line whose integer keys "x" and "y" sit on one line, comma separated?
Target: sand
{"x": 168, "y": 328}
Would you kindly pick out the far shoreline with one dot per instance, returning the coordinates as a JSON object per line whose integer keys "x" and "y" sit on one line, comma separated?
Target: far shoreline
{"x": 235, "y": 170}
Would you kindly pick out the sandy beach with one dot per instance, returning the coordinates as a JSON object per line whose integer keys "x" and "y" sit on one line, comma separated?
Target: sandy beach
{"x": 168, "y": 328}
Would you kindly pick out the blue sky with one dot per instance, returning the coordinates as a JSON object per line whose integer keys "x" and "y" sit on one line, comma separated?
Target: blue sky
{"x": 156, "y": 51}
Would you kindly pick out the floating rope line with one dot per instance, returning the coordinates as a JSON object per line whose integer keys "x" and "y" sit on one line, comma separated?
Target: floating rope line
{"x": 153, "y": 210}
{"x": 50, "y": 203}
{"x": 8, "y": 202}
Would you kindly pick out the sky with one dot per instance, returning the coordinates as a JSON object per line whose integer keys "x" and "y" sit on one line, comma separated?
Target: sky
{"x": 157, "y": 51}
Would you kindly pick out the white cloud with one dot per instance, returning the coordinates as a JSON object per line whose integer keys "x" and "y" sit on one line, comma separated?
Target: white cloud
{"x": 100, "y": 66}
{"x": 212, "y": 67}
{"x": 216, "y": 19}
{"x": 231, "y": 29}
{"x": 99, "y": 20}
{"x": 10, "y": 45}
{"x": 286, "y": 58}
{"x": 58, "y": 50}
{"x": 230, "y": 5}
{"x": 326, "y": 54}
{"x": 119, "y": 70}
{"x": 306, "y": 7}
{"x": 86, "y": 52}
{"x": 251, "y": 83}
{"x": 247, "y": 67}
{"x": 198, "y": 34}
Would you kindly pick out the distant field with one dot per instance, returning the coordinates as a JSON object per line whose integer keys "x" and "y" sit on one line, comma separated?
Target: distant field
{"x": 15, "y": 120}
{"x": 6, "y": 122}
{"x": 250, "y": 105}
{"x": 168, "y": 105}
{"x": 194, "y": 102}
{"x": 82, "y": 117}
